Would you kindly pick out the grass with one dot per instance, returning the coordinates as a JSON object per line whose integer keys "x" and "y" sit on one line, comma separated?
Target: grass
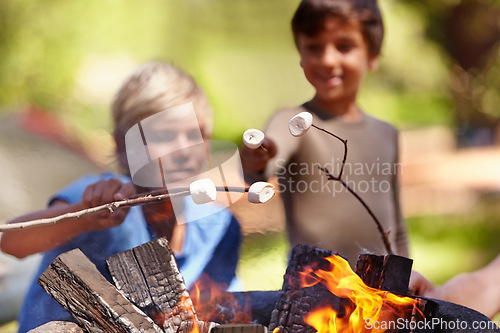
{"x": 443, "y": 246}
{"x": 263, "y": 261}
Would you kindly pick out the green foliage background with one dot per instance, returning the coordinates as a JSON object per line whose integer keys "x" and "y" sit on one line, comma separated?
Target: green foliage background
{"x": 241, "y": 52}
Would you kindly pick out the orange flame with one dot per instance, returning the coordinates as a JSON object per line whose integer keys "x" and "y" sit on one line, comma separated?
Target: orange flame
{"x": 213, "y": 304}
{"x": 370, "y": 305}
{"x": 187, "y": 306}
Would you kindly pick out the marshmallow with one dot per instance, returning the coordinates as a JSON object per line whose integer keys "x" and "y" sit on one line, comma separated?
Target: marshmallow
{"x": 300, "y": 123}
{"x": 252, "y": 138}
{"x": 260, "y": 192}
{"x": 203, "y": 191}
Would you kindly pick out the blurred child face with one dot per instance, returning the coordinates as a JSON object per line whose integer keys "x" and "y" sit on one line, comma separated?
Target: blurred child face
{"x": 335, "y": 60}
{"x": 180, "y": 146}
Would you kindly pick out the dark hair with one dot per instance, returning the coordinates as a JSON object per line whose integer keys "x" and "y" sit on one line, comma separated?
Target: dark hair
{"x": 310, "y": 17}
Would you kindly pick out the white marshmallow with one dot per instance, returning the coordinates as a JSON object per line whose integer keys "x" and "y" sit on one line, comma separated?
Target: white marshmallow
{"x": 300, "y": 123}
{"x": 203, "y": 191}
{"x": 260, "y": 192}
{"x": 252, "y": 138}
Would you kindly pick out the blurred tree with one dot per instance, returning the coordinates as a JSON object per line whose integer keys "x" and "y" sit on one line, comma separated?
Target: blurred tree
{"x": 70, "y": 56}
{"x": 52, "y": 51}
{"x": 410, "y": 87}
{"x": 243, "y": 55}
{"x": 38, "y": 51}
{"x": 469, "y": 31}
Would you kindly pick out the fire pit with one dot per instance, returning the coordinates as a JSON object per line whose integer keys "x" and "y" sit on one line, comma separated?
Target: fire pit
{"x": 290, "y": 306}
{"x": 320, "y": 294}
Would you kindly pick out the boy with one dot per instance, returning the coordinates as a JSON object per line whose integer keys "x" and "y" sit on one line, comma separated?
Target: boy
{"x": 207, "y": 246}
{"x": 338, "y": 42}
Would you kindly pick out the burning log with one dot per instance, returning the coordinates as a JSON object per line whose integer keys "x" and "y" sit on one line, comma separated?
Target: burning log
{"x": 148, "y": 275}
{"x": 390, "y": 272}
{"x": 424, "y": 310}
{"x": 260, "y": 304}
{"x": 322, "y": 294}
{"x": 295, "y": 301}
{"x": 58, "y": 327}
{"x": 74, "y": 281}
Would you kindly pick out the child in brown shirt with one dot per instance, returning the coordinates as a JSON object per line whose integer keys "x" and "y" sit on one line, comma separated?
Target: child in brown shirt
{"x": 338, "y": 42}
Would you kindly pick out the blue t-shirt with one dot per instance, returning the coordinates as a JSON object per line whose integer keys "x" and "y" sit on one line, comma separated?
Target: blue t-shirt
{"x": 211, "y": 247}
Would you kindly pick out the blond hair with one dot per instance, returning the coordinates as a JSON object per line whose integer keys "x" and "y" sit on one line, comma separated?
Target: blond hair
{"x": 155, "y": 87}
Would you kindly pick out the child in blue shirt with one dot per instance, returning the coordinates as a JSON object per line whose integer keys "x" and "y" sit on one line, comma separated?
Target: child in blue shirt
{"x": 206, "y": 246}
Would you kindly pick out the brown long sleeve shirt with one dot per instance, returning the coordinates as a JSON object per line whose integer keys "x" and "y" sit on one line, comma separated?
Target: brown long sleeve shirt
{"x": 321, "y": 212}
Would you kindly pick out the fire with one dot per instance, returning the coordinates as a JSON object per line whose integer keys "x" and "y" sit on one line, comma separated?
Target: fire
{"x": 187, "y": 306}
{"x": 367, "y": 305}
{"x": 212, "y": 304}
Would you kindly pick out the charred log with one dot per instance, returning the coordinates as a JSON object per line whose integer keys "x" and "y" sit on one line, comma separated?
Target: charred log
{"x": 148, "y": 275}
{"x": 294, "y": 301}
{"x": 74, "y": 281}
{"x": 390, "y": 272}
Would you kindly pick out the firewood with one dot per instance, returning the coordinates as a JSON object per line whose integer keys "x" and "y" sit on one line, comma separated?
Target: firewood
{"x": 129, "y": 279}
{"x": 390, "y": 272}
{"x": 58, "y": 327}
{"x": 423, "y": 309}
{"x": 148, "y": 276}
{"x": 74, "y": 281}
{"x": 295, "y": 301}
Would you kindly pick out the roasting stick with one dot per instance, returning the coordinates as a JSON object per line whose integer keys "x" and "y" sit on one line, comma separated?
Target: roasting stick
{"x": 298, "y": 126}
{"x": 143, "y": 199}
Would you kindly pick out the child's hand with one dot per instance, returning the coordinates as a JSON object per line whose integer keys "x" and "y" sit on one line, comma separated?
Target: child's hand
{"x": 255, "y": 160}
{"x": 419, "y": 285}
{"x": 103, "y": 192}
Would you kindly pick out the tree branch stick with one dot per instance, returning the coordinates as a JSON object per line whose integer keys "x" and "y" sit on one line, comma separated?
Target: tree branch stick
{"x": 383, "y": 234}
{"x": 138, "y": 200}
{"x": 341, "y": 140}
{"x": 338, "y": 178}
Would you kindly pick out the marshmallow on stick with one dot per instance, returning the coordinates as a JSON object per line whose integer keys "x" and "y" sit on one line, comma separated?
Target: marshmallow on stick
{"x": 203, "y": 191}
{"x": 260, "y": 192}
{"x": 300, "y": 123}
{"x": 252, "y": 138}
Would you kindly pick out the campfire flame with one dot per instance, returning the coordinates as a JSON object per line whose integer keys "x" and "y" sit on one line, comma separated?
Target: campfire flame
{"x": 368, "y": 304}
{"x": 187, "y": 306}
{"x": 212, "y": 304}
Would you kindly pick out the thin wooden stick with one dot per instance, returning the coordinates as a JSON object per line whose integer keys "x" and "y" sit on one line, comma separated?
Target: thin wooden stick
{"x": 338, "y": 178}
{"x": 383, "y": 234}
{"x": 340, "y": 139}
{"x": 138, "y": 200}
